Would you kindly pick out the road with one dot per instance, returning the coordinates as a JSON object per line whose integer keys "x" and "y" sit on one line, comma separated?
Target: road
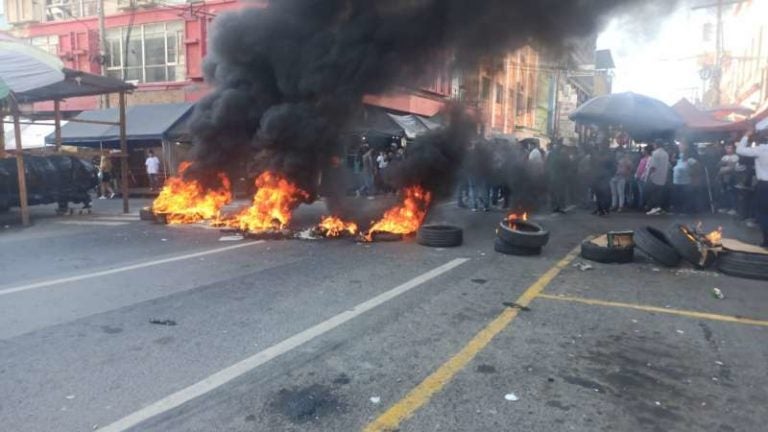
{"x": 341, "y": 336}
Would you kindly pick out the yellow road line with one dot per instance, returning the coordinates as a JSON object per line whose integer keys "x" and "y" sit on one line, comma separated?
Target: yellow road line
{"x": 421, "y": 394}
{"x": 679, "y": 312}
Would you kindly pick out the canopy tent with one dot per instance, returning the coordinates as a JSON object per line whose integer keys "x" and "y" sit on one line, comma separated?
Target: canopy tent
{"x": 704, "y": 124}
{"x": 411, "y": 124}
{"x": 32, "y": 133}
{"x": 147, "y": 126}
{"x": 75, "y": 84}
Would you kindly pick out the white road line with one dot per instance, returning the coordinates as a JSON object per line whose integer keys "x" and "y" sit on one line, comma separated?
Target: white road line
{"x": 224, "y": 376}
{"x": 123, "y": 269}
{"x": 92, "y": 222}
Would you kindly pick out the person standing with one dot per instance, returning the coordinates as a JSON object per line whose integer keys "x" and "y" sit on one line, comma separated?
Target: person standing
{"x": 727, "y": 179}
{"x": 153, "y": 170}
{"x": 604, "y": 167}
{"x": 760, "y": 153}
{"x": 619, "y": 182}
{"x": 681, "y": 184}
{"x": 641, "y": 175}
{"x": 369, "y": 170}
{"x": 658, "y": 172}
{"x": 105, "y": 174}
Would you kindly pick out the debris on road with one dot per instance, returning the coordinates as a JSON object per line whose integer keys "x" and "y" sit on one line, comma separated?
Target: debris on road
{"x": 514, "y": 305}
{"x": 582, "y": 266}
{"x": 375, "y": 400}
{"x": 716, "y": 293}
{"x": 680, "y": 332}
{"x": 511, "y": 397}
{"x": 231, "y": 238}
{"x": 166, "y": 322}
{"x": 70, "y": 397}
{"x": 479, "y": 281}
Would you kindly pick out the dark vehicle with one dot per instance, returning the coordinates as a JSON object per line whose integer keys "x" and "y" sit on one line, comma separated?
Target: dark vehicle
{"x": 50, "y": 179}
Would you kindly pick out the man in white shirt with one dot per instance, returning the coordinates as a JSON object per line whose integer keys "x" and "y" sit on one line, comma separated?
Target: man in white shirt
{"x": 760, "y": 153}
{"x": 153, "y": 169}
{"x": 658, "y": 171}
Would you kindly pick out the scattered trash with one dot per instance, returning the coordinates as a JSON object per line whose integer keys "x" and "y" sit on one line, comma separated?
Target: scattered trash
{"x": 680, "y": 331}
{"x": 166, "y": 322}
{"x": 719, "y": 363}
{"x": 375, "y": 400}
{"x": 715, "y": 379}
{"x": 582, "y": 266}
{"x": 70, "y": 397}
{"x": 516, "y": 306}
{"x": 511, "y": 397}
{"x": 230, "y": 238}
{"x": 716, "y": 293}
{"x": 656, "y": 269}
{"x": 307, "y": 234}
{"x": 162, "y": 239}
{"x": 479, "y": 281}
{"x": 658, "y": 403}
{"x": 634, "y": 321}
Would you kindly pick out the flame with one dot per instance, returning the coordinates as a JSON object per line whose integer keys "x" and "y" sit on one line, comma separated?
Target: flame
{"x": 513, "y": 218}
{"x": 715, "y": 238}
{"x": 187, "y": 201}
{"x": 272, "y": 207}
{"x": 404, "y": 218}
{"x": 332, "y": 226}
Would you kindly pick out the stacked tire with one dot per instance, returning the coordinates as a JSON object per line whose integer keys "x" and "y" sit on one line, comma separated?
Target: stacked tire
{"x": 655, "y": 244}
{"x": 440, "y": 236}
{"x": 743, "y": 264}
{"x": 525, "y": 239}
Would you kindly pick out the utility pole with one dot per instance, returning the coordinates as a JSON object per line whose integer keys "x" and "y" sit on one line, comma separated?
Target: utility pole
{"x": 104, "y": 99}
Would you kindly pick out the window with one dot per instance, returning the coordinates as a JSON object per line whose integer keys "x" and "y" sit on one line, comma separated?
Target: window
{"x": 49, "y": 44}
{"x": 499, "y": 93}
{"x": 58, "y": 10}
{"x": 486, "y": 90}
{"x": 146, "y": 53}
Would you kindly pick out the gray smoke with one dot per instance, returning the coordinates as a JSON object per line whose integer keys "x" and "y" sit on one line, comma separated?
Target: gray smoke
{"x": 287, "y": 78}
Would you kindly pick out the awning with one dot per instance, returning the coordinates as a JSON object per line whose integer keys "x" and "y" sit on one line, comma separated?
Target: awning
{"x": 701, "y": 122}
{"x": 32, "y": 135}
{"x": 411, "y": 124}
{"x": 146, "y": 125}
{"x": 75, "y": 84}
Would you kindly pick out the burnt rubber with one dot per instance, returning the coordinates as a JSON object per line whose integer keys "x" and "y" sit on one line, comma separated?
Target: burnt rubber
{"x": 440, "y": 236}
{"x": 743, "y": 264}
{"x": 505, "y": 248}
{"x": 655, "y": 244}
{"x": 526, "y": 235}
{"x": 688, "y": 248}
{"x": 146, "y": 214}
{"x": 602, "y": 254}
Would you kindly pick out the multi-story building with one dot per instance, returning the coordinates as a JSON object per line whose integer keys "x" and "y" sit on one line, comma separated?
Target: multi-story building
{"x": 745, "y": 60}
{"x": 159, "y": 45}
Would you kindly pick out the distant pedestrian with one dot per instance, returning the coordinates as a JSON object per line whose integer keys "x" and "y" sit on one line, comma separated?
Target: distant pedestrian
{"x": 727, "y": 179}
{"x": 369, "y": 171}
{"x": 604, "y": 165}
{"x": 658, "y": 173}
{"x": 153, "y": 170}
{"x": 619, "y": 182}
{"x": 105, "y": 175}
{"x": 641, "y": 176}
{"x": 760, "y": 153}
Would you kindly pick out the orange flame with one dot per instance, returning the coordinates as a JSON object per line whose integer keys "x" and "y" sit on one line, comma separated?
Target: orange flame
{"x": 272, "y": 207}
{"x": 187, "y": 201}
{"x": 715, "y": 238}
{"x": 404, "y": 218}
{"x": 513, "y": 218}
{"x": 332, "y": 226}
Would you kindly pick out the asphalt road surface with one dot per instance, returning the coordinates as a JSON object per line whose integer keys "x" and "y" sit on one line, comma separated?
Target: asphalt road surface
{"x": 341, "y": 336}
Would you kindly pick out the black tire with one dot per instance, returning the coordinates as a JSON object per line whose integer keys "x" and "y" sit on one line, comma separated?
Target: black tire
{"x": 656, "y": 245}
{"x": 743, "y": 264}
{"x": 688, "y": 248}
{"x": 505, "y": 248}
{"x": 529, "y": 234}
{"x": 601, "y": 254}
{"x": 440, "y": 236}
{"x": 146, "y": 214}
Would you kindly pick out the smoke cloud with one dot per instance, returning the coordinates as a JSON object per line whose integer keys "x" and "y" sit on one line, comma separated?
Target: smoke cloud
{"x": 287, "y": 78}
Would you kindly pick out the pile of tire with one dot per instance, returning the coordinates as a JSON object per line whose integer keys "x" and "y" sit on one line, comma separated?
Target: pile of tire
{"x": 525, "y": 238}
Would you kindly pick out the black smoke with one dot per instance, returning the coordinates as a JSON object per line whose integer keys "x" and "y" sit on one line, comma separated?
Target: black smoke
{"x": 287, "y": 78}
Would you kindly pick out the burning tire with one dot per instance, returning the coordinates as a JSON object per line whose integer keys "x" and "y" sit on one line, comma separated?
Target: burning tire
{"x": 655, "y": 244}
{"x": 440, "y": 236}
{"x": 603, "y": 254}
{"x": 505, "y": 248}
{"x": 744, "y": 265}
{"x": 686, "y": 245}
{"x": 524, "y": 234}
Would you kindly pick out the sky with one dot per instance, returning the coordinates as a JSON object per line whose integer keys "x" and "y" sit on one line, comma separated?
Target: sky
{"x": 658, "y": 60}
